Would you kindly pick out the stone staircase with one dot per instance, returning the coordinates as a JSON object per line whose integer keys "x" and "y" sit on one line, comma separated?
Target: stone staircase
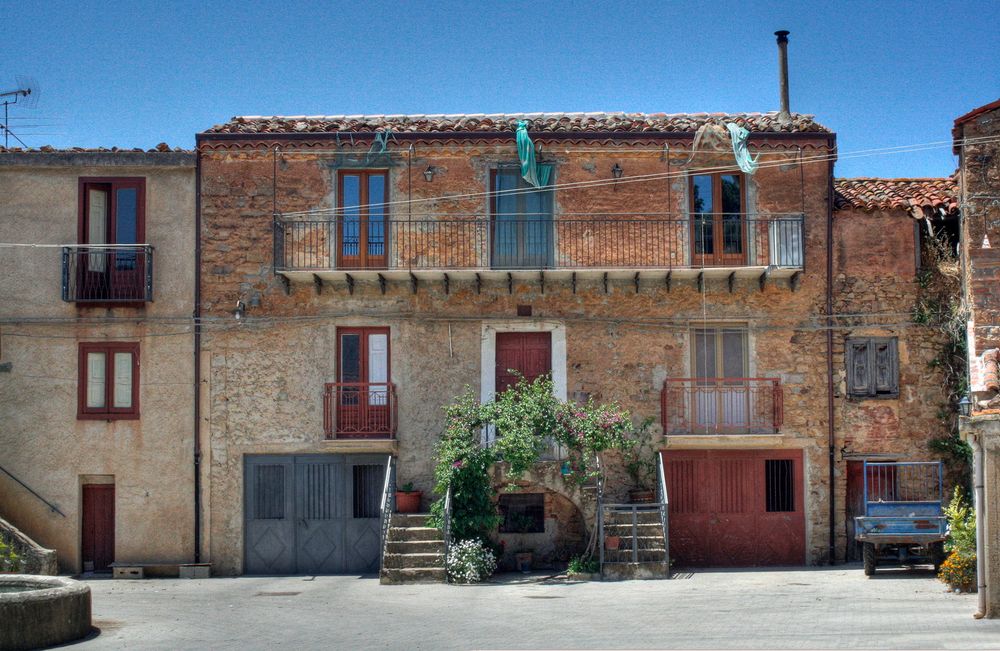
{"x": 639, "y": 556}
{"x": 414, "y": 552}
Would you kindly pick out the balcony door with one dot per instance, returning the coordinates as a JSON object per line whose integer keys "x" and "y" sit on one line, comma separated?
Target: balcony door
{"x": 111, "y": 215}
{"x": 362, "y": 391}
{"x": 361, "y": 229}
{"x": 721, "y": 395}
{"x": 521, "y": 222}
{"x": 718, "y": 226}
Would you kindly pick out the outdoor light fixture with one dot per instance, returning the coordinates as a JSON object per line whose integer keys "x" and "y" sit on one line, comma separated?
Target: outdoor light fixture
{"x": 617, "y": 171}
{"x": 965, "y": 406}
{"x": 429, "y": 173}
{"x": 240, "y": 311}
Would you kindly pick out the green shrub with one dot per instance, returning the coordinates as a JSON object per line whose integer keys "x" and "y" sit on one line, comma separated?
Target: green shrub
{"x": 10, "y": 561}
{"x": 961, "y": 525}
{"x": 959, "y": 570}
{"x": 583, "y": 565}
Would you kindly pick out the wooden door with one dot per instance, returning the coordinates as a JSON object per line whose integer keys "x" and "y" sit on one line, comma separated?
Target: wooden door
{"x": 718, "y": 223}
{"x": 721, "y": 400}
{"x": 362, "y": 224}
{"x": 98, "y": 539}
{"x": 528, "y": 354}
{"x": 113, "y": 214}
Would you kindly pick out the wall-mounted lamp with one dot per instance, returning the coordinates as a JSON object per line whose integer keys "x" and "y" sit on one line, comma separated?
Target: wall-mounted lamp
{"x": 617, "y": 171}
{"x": 965, "y": 406}
{"x": 429, "y": 173}
{"x": 240, "y": 311}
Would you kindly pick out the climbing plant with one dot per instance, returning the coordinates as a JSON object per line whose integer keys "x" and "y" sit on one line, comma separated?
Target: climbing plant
{"x": 525, "y": 421}
{"x": 939, "y": 306}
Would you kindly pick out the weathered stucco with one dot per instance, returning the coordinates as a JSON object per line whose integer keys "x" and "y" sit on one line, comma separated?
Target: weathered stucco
{"x": 150, "y": 460}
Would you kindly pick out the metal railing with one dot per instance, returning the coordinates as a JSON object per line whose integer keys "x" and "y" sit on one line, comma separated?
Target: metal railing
{"x": 664, "y": 501}
{"x": 359, "y": 410}
{"x": 908, "y": 481}
{"x": 446, "y": 524}
{"x": 386, "y": 508}
{"x": 52, "y": 507}
{"x": 535, "y": 242}
{"x": 721, "y": 406}
{"x": 120, "y": 273}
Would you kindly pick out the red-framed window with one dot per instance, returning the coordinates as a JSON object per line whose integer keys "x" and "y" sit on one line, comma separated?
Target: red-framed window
{"x": 112, "y": 210}
{"x": 362, "y": 230}
{"x": 108, "y": 381}
{"x": 718, "y": 219}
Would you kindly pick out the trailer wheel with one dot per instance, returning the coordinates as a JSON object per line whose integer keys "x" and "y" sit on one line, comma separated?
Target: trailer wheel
{"x": 938, "y": 554}
{"x": 868, "y": 553}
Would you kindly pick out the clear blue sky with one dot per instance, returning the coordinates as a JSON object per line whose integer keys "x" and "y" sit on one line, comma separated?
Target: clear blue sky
{"x": 134, "y": 74}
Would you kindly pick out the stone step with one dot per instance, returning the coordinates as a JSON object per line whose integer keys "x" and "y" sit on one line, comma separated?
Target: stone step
{"x": 400, "y": 561}
{"x": 401, "y": 534}
{"x": 625, "y": 516}
{"x": 415, "y": 547}
{"x": 640, "y": 526}
{"x": 631, "y": 571}
{"x": 409, "y": 519}
{"x": 396, "y": 576}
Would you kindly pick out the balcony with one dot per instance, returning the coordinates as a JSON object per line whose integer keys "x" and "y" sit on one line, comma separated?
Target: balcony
{"x": 359, "y": 410}
{"x": 592, "y": 244}
{"x": 696, "y": 406}
{"x": 107, "y": 274}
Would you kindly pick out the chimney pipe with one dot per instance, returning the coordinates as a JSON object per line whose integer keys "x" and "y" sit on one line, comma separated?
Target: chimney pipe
{"x": 784, "y": 115}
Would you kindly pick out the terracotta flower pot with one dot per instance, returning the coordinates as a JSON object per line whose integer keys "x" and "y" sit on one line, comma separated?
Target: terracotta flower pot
{"x": 612, "y": 542}
{"x": 408, "y": 502}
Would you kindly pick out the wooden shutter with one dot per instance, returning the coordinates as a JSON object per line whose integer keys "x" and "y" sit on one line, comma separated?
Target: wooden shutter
{"x": 872, "y": 367}
{"x": 886, "y": 375}
{"x": 858, "y": 367}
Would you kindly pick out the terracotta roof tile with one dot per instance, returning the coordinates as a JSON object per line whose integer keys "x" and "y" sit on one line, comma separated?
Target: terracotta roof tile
{"x": 872, "y": 194}
{"x": 49, "y": 149}
{"x": 540, "y": 123}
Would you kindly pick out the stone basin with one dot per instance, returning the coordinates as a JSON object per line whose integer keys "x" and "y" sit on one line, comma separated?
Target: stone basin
{"x": 39, "y": 611}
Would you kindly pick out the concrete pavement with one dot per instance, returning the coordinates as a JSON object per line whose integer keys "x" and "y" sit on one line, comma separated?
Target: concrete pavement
{"x": 797, "y": 608}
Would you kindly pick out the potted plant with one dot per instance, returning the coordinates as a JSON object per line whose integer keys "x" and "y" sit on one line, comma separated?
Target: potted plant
{"x": 640, "y": 464}
{"x": 407, "y": 499}
{"x": 523, "y": 561}
{"x": 612, "y": 543}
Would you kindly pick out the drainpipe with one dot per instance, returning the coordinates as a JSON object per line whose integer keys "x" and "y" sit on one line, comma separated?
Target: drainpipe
{"x": 197, "y": 357}
{"x": 978, "y": 457}
{"x": 829, "y": 344}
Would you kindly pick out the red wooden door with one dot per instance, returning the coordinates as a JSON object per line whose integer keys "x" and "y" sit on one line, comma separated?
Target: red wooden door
{"x": 735, "y": 507}
{"x": 525, "y": 353}
{"x": 363, "y": 392}
{"x": 98, "y": 544}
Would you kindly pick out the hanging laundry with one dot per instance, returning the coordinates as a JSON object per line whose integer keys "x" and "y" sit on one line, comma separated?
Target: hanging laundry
{"x": 533, "y": 173}
{"x": 741, "y": 138}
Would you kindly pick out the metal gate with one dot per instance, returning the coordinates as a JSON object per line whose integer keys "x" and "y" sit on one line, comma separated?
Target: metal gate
{"x": 312, "y": 514}
{"x": 735, "y": 507}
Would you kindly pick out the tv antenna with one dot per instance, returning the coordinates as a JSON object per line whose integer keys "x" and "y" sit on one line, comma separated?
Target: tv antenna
{"x": 26, "y": 96}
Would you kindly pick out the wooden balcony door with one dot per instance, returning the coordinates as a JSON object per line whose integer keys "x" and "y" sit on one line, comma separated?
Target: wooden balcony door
{"x": 718, "y": 223}
{"x": 721, "y": 397}
{"x": 112, "y": 212}
{"x": 522, "y": 222}
{"x": 362, "y": 241}
{"x": 363, "y": 410}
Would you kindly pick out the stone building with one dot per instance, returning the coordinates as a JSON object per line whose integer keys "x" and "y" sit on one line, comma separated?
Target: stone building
{"x": 96, "y": 353}
{"x": 977, "y": 144}
{"x": 357, "y": 273}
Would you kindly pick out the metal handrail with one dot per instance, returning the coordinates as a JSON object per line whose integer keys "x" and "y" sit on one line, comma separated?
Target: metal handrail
{"x": 446, "y": 524}
{"x": 30, "y": 490}
{"x": 387, "y": 506}
{"x": 664, "y": 510}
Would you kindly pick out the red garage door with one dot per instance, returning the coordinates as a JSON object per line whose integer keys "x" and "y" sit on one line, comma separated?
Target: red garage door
{"x": 735, "y": 508}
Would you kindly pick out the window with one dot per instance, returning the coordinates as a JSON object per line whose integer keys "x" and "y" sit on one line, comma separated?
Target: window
{"x": 779, "y": 485}
{"x": 718, "y": 229}
{"x": 362, "y": 226}
{"x": 522, "y": 513}
{"x": 363, "y": 394}
{"x": 522, "y": 221}
{"x": 368, "y": 482}
{"x": 872, "y": 367}
{"x": 109, "y": 381}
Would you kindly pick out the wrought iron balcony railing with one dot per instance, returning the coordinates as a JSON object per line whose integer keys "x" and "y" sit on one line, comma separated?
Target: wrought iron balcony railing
{"x": 722, "y": 406}
{"x": 359, "y": 410}
{"x": 534, "y": 242}
{"x": 116, "y": 273}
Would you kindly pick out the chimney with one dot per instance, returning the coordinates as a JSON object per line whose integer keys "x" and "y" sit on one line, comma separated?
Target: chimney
{"x": 784, "y": 115}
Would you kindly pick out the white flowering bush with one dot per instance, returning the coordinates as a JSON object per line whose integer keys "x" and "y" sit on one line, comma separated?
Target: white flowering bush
{"x": 470, "y": 561}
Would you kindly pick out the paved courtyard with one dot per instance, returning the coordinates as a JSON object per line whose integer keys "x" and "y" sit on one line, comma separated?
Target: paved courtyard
{"x": 798, "y": 608}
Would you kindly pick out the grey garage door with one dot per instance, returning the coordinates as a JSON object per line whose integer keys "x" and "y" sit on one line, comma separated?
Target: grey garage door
{"x": 312, "y": 514}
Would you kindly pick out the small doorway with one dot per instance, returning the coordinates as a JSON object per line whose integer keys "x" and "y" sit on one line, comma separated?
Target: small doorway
{"x": 362, "y": 390}
{"x": 521, "y": 220}
{"x": 113, "y": 215}
{"x": 98, "y": 538}
{"x": 718, "y": 227}
{"x": 721, "y": 396}
{"x": 361, "y": 230}
{"x": 522, "y": 353}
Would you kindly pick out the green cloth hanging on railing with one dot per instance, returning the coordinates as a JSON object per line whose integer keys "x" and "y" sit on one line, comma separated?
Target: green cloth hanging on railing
{"x": 533, "y": 173}
{"x": 741, "y": 139}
